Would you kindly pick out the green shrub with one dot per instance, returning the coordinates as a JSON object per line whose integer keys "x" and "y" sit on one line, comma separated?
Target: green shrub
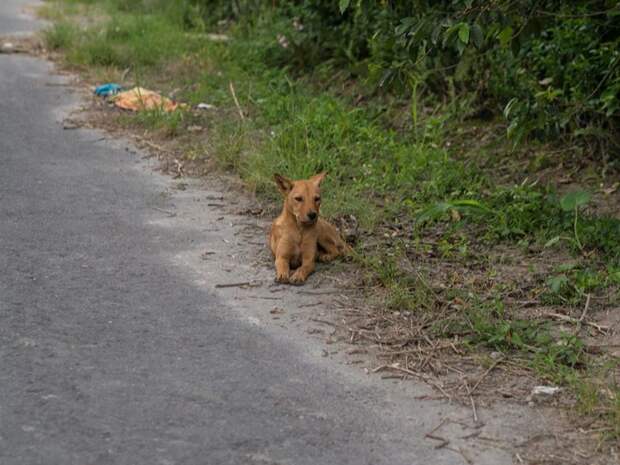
{"x": 551, "y": 66}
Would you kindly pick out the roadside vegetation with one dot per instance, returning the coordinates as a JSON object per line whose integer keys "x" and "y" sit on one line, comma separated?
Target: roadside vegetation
{"x": 472, "y": 148}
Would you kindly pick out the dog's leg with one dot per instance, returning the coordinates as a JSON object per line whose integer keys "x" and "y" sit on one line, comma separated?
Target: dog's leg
{"x": 284, "y": 251}
{"x": 330, "y": 241}
{"x": 330, "y": 249}
{"x": 307, "y": 266}
{"x": 282, "y": 269}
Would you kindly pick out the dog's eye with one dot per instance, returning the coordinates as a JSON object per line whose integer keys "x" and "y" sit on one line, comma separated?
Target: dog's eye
{"x": 317, "y": 199}
{"x": 299, "y": 198}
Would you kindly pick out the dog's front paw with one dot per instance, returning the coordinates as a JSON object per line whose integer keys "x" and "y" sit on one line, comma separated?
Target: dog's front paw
{"x": 281, "y": 278}
{"x": 297, "y": 278}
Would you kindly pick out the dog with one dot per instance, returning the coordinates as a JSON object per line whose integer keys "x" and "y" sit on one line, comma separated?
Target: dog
{"x": 298, "y": 236}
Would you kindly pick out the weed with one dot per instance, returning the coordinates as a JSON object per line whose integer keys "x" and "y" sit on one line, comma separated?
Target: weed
{"x": 572, "y": 283}
{"x": 487, "y": 326}
{"x": 572, "y": 202}
{"x": 60, "y": 36}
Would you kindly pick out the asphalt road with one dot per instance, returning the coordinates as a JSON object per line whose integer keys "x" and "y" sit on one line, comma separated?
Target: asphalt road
{"x": 111, "y": 355}
{"x": 15, "y": 17}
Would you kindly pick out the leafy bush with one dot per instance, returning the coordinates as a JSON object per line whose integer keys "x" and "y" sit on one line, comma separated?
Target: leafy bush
{"x": 552, "y": 66}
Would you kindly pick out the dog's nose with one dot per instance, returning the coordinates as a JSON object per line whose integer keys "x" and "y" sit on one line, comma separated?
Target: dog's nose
{"x": 312, "y": 216}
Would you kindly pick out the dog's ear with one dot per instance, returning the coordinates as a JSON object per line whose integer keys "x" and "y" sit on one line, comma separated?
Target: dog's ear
{"x": 318, "y": 178}
{"x": 285, "y": 185}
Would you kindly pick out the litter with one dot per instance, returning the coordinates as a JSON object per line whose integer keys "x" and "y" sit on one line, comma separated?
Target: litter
{"x": 138, "y": 98}
{"x": 218, "y": 37}
{"x": 205, "y": 106}
{"x": 7, "y": 47}
{"x": 542, "y": 394}
{"x": 107, "y": 90}
{"x": 545, "y": 390}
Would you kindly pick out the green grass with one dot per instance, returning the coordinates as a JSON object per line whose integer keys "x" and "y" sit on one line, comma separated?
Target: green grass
{"x": 442, "y": 201}
{"x": 60, "y": 36}
{"x": 169, "y": 124}
{"x": 374, "y": 173}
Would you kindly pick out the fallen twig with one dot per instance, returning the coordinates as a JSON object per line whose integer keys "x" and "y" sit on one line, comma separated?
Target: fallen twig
{"x": 441, "y": 423}
{"x": 242, "y": 284}
{"x": 427, "y": 397}
{"x": 602, "y": 329}
{"x": 317, "y": 292}
{"x": 431, "y": 434}
{"x": 419, "y": 350}
{"x": 154, "y": 146}
{"x": 585, "y": 310}
{"x": 427, "y": 379}
{"x": 468, "y": 460}
{"x": 315, "y": 304}
{"x": 473, "y": 404}
{"x": 443, "y": 441}
{"x": 356, "y": 351}
{"x": 497, "y": 362}
{"x": 316, "y": 320}
{"x": 125, "y": 73}
{"x": 475, "y": 434}
{"x": 234, "y": 96}
{"x": 170, "y": 214}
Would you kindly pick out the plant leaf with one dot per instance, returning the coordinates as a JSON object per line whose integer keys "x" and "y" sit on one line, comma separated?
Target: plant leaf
{"x": 476, "y": 35}
{"x": 574, "y": 200}
{"x": 505, "y": 36}
{"x": 552, "y": 241}
{"x": 464, "y": 33}
{"x": 556, "y": 283}
{"x": 344, "y": 4}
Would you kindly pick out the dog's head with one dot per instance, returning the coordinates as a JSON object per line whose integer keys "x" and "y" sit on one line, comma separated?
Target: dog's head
{"x": 302, "y": 198}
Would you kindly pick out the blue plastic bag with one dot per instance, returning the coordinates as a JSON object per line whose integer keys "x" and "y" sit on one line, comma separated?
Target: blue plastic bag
{"x": 107, "y": 90}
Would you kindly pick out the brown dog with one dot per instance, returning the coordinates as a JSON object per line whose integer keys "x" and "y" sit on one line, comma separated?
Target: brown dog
{"x": 298, "y": 236}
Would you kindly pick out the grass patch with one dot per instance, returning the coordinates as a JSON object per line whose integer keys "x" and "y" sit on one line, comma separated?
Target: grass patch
{"x": 60, "y": 36}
